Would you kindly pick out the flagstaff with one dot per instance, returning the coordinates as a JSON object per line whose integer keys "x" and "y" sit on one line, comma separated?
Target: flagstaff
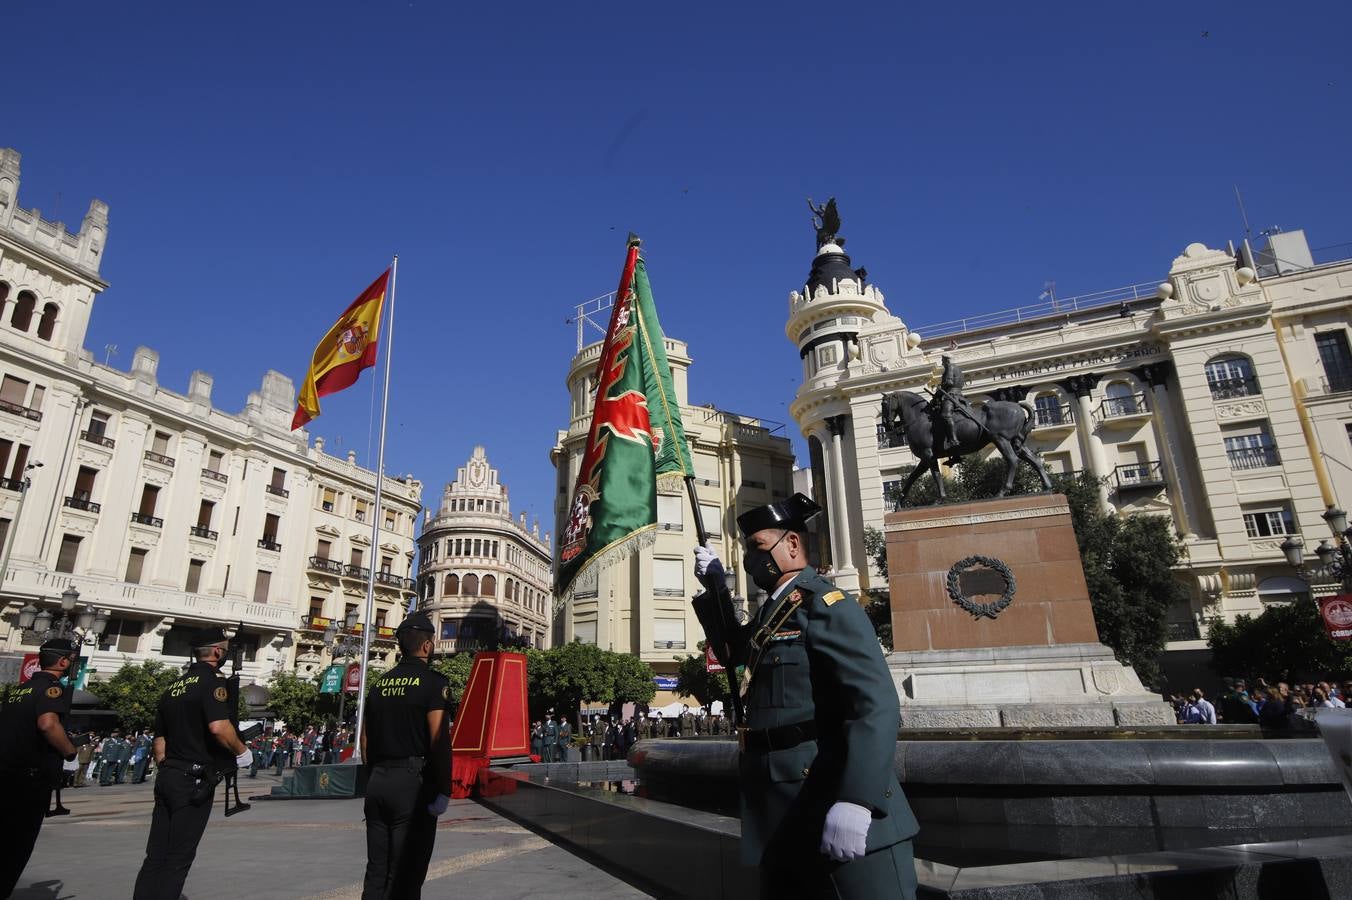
{"x": 375, "y": 517}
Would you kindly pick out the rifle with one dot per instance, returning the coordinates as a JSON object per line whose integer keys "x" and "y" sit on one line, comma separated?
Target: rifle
{"x": 235, "y": 651}
{"x": 723, "y": 600}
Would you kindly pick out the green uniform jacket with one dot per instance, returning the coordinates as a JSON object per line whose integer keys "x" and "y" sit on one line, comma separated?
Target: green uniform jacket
{"x": 822, "y": 664}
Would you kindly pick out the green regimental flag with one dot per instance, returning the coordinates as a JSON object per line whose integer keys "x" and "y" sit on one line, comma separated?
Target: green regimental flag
{"x": 636, "y": 437}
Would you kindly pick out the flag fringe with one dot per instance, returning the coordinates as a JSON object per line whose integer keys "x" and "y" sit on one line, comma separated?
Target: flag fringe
{"x": 671, "y": 481}
{"x": 616, "y": 552}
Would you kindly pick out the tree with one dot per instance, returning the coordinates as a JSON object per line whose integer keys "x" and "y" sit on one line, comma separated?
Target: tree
{"x": 562, "y": 677}
{"x": 878, "y": 602}
{"x": 294, "y": 699}
{"x": 631, "y": 679}
{"x": 693, "y": 679}
{"x": 1287, "y": 641}
{"x": 134, "y": 692}
{"x": 456, "y": 667}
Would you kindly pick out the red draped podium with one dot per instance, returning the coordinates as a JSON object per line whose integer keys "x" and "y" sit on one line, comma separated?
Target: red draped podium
{"x": 492, "y": 723}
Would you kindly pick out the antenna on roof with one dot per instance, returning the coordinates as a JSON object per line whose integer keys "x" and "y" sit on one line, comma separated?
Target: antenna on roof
{"x": 1239, "y": 198}
{"x": 109, "y": 350}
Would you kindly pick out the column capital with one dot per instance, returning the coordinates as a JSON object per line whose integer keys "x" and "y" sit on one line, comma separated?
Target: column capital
{"x": 836, "y": 424}
{"x": 1014, "y": 393}
{"x": 1155, "y": 374}
{"x": 1081, "y": 385}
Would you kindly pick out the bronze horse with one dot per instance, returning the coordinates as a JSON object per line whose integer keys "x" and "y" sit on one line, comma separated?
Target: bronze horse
{"x": 1000, "y": 422}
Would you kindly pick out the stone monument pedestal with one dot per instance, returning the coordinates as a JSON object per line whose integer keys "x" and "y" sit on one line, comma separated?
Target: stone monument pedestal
{"x": 992, "y": 624}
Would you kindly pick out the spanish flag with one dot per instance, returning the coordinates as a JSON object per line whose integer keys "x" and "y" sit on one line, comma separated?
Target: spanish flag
{"x": 349, "y": 347}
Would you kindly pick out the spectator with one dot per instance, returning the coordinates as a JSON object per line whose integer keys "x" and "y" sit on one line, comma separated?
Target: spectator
{"x": 1204, "y": 707}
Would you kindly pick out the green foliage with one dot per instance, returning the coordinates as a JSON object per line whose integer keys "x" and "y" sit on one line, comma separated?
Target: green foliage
{"x": 295, "y": 700}
{"x": 562, "y": 677}
{"x": 694, "y": 680}
{"x": 134, "y": 692}
{"x": 631, "y": 678}
{"x": 456, "y": 668}
{"x": 875, "y": 546}
{"x": 1287, "y": 641}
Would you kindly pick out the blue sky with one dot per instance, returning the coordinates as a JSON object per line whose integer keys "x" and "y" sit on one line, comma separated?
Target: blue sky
{"x": 262, "y": 162}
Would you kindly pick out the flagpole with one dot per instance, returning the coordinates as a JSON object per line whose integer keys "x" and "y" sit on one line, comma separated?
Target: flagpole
{"x": 367, "y": 628}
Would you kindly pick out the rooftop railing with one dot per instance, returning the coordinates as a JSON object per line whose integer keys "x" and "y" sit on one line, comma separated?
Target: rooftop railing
{"x": 1145, "y": 290}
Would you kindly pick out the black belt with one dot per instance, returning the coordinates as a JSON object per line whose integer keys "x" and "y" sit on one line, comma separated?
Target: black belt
{"x": 182, "y": 765}
{"x": 766, "y": 739}
{"x": 401, "y": 761}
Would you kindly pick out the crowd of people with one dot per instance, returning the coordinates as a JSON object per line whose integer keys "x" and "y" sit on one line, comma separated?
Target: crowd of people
{"x": 283, "y": 748}
{"x": 1276, "y": 706}
{"x": 604, "y": 737}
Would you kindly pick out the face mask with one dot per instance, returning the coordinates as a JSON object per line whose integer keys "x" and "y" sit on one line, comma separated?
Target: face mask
{"x": 761, "y": 566}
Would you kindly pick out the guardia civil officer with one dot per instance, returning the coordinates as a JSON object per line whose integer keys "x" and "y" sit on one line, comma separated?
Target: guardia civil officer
{"x": 406, "y": 744}
{"x": 195, "y": 745}
{"x": 822, "y": 811}
{"x": 33, "y": 742}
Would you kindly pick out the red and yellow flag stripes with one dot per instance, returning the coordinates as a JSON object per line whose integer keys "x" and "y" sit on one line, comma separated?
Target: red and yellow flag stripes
{"x": 349, "y": 347}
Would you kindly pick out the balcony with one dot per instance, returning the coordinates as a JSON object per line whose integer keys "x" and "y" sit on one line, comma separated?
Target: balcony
{"x": 887, "y": 440}
{"x": 350, "y": 571}
{"x": 324, "y": 564}
{"x": 16, "y": 409}
{"x": 81, "y": 503}
{"x": 670, "y": 526}
{"x": 1231, "y": 388}
{"x": 203, "y": 532}
{"x": 389, "y": 578}
{"x": 213, "y": 475}
{"x": 1054, "y": 418}
{"x": 97, "y": 437}
{"x": 160, "y": 458}
{"x": 668, "y": 592}
{"x": 269, "y": 543}
{"x": 277, "y": 491}
{"x": 1122, "y": 410}
{"x": 147, "y": 519}
{"x": 1253, "y": 457}
{"x": 1184, "y": 631}
{"x": 1139, "y": 475}
{"x": 11, "y": 484}
{"x": 668, "y": 645}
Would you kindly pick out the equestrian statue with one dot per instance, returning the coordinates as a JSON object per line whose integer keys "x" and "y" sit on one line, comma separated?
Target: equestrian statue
{"x": 947, "y": 425}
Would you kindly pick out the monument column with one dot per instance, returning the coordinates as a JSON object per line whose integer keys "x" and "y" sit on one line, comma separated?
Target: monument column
{"x": 1091, "y": 448}
{"x": 836, "y": 425}
{"x": 1156, "y": 375}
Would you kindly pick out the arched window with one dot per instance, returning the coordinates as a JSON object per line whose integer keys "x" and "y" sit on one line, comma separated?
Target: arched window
{"x": 451, "y": 586}
{"x": 1048, "y": 410}
{"x": 471, "y": 585}
{"x": 22, "y": 317}
{"x": 4, "y": 293}
{"x": 1121, "y": 400}
{"x": 507, "y": 589}
{"x": 1231, "y": 376}
{"x": 47, "y": 324}
{"x": 490, "y": 586}
{"x": 1283, "y": 589}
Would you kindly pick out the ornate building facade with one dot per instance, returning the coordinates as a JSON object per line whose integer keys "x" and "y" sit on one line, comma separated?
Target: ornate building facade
{"x": 641, "y": 605}
{"x": 483, "y": 575}
{"x": 1220, "y": 396}
{"x": 161, "y": 510}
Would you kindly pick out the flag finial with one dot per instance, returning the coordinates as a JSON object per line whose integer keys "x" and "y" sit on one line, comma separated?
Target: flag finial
{"x": 633, "y": 240}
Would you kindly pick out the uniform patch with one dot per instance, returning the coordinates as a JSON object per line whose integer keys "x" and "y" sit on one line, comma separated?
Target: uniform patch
{"x": 220, "y": 694}
{"x": 786, "y": 635}
{"x": 832, "y": 597}
{"x": 53, "y": 692}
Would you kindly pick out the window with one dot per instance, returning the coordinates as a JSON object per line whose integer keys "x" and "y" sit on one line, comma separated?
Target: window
{"x": 47, "y": 324}
{"x": 1120, "y": 400}
{"x": 585, "y": 632}
{"x": 322, "y": 548}
{"x": 359, "y": 511}
{"x": 328, "y": 499}
{"x": 1057, "y": 463}
{"x": 84, "y": 483}
{"x": 450, "y": 629}
{"x": 316, "y": 608}
{"x": 1268, "y": 521}
{"x": 1231, "y": 376}
{"x": 22, "y": 317}
{"x": 1283, "y": 589}
{"x": 471, "y": 586}
{"x": 489, "y": 588}
{"x": 669, "y": 511}
{"x": 98, "y": 423}
{"x": 160, "y": 443}
{"x": 39, "y": 392}
{"x": 262, "y": 582}
{"x": 494, "y": 554}
{"x": 4, "y": 533}
{"x": 214, "y": 460}
{"x": 14, "y": 390}
{"x": 121, "y": 634}
{"x": 70, "y": 551}
{"x": 380, "y": 618}
{"x": 136, "y": 561}
{"x": 713, "y": 519}
{"x": 669, "y": 633}
{"x": 507, "y": 590}
{"x": 669, "y": 577}
{"x": 1047, "y": 410}
{"x": 385, "y": 563}
{"x": 278, "y": 483}
{"x": 451, "y": 586}
{"x": 389, "y": 520}
{"x": 459, "y": 547}
{"x": 149, "y": 498}
{"x": 194, "y": 582}
{"x": 204, "y": 511}
{"x": 356, "y": 556}
{"x": 1337, "y": 360}
{"x": 1250, "y": 447}
{"x": 475, "y": 552}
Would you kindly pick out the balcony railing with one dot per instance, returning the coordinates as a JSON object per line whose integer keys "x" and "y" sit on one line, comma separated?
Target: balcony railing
{"x": 203, "y": 532}
{"x": 356, "y": 571}
{"x": 324, "y": 564}
{"x": 11, "y": 484}
{"x": 160, "y": 458}
{"x": 97, "y": 437}
{"x": 1139, "y": 475}
{"x": 147, "y": 519}
{"x": 389, "y": 578}
{"x": 1337, "y": 381}
{"x": 1121, "y": 407}
{"x": 269, "y": 544}
{"x": 669, "y": 592}
{"x": 215, "y": 476}
{"x": 1052, "y": 416}
{"x": 278, "y": 491}
{"x": 16, "y": 409}
{"x": 1253, "y": 457}
{"x": 81, "y": 503}
{"x": 888, "y": 440}
{"x": 668, "y": 645}
{"x": 1184, "y": 631}
{"x": 1230, "y": 388}
{"x": 671, "y": 526}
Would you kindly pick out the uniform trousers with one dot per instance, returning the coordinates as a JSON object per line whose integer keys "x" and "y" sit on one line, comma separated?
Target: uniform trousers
{"x": 176, "y": 828}
{"x": 31, "y": 794}
{"x": 400, "y": 832}
{"x": 884, "y": 874}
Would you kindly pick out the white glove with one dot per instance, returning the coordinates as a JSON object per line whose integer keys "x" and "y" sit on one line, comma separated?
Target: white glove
{"x": 438, "y": 805}
{"x": 704, "y": 557}
{"x": 245, "y": 759}
{"x": 846, "y": 831}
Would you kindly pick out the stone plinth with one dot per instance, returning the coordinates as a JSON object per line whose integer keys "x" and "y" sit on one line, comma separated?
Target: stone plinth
{"x": 992, "y": 624}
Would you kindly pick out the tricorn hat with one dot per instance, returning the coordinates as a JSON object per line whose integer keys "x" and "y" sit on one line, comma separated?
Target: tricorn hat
{"x": 791, "y": 514}
{"x": 62, "y": 645}
{"x": 418, "y": 621}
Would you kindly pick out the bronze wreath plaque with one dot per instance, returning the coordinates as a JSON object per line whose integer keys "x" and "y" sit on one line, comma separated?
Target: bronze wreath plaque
{"x": 981, "y": 575}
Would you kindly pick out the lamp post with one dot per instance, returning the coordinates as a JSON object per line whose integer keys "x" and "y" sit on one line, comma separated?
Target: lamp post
{"x": 74, "y": 626}
{"x": 343, "y": 644}
{"x": 1335, "y": 557}
{"x": 12, "y": 535}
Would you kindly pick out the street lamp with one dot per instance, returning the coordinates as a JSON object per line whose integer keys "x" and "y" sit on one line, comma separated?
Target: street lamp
{"x": 88, "y": 622}
{"x": 343, "y": 644}
{"x": 1335, "y": 557}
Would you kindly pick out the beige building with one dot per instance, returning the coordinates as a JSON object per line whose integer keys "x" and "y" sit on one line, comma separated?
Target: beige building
{"x": 1220, "y": 396}
{"x": 641, "y": 605}
{"x": 159, "y": 508}
{"x": 483, "y": 575}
